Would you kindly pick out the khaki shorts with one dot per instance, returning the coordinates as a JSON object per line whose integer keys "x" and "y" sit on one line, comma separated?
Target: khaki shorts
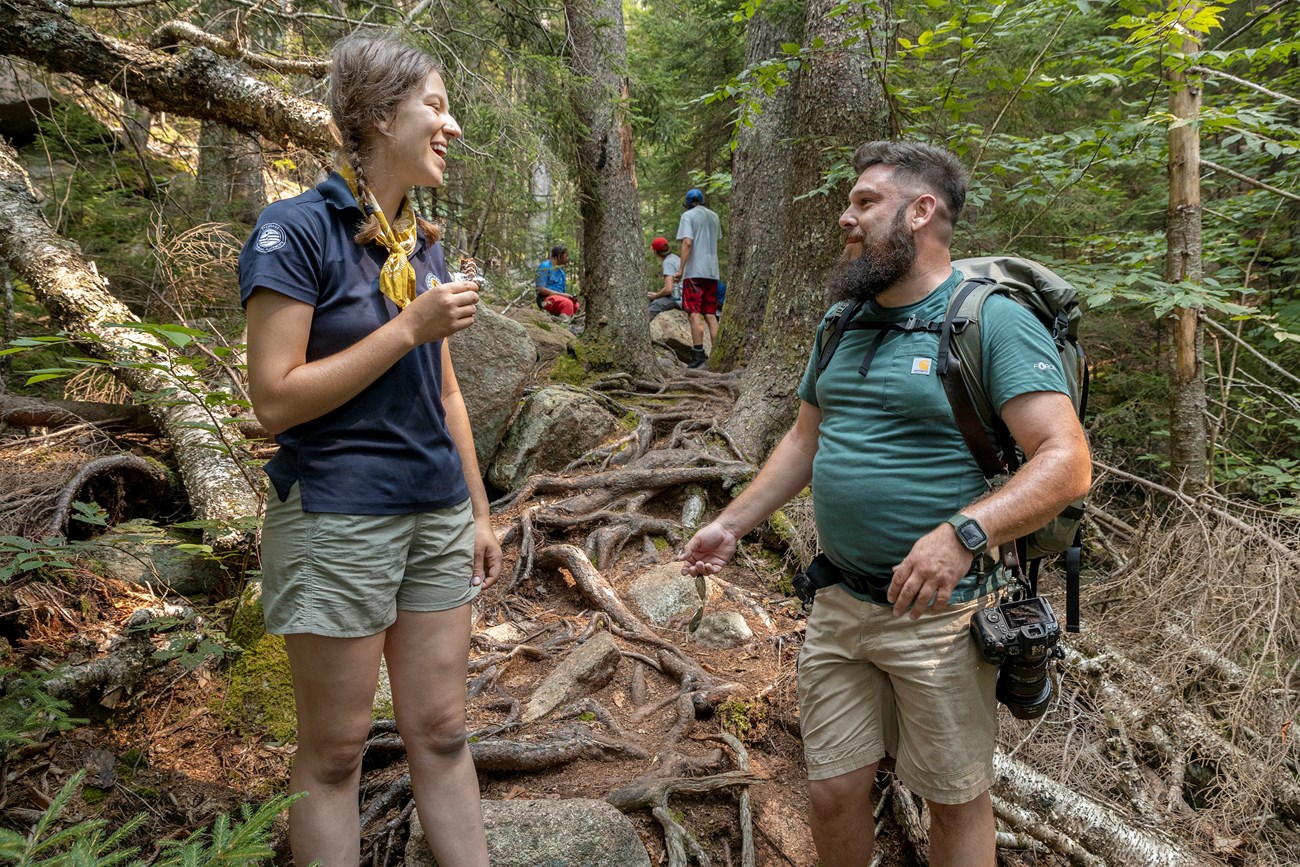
{"x": 346, "y": 576}
{"x": 872, "y": 685}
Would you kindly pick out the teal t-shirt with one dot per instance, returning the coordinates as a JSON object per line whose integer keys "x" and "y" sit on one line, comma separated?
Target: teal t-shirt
{"x": 891, "y": 464}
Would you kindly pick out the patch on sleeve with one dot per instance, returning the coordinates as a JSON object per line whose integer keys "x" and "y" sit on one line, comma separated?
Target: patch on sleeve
{"x": 271, "y": 238}
{"x": 430, "y": 281}
{"x": 921, "y": 366}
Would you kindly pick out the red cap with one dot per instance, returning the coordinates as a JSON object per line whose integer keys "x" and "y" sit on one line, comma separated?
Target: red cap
{"x": 659, "y": 245}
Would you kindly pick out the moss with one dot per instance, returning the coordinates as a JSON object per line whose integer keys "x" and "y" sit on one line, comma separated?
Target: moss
{"x": 630, "y": 420}
{"x": 93, "y": 794}
{"x": 545, "y": 326}
{"x": 744, "y": 719}
{"x": 147, "y": 793}
{"x": 587, "y": 716}
{"x": 247, "y": 626}
{"x": 660, "y": 543}
{"x": 782, "y": 527}
{"x": 260, "y": 690}
{"x": 568, "y": 370}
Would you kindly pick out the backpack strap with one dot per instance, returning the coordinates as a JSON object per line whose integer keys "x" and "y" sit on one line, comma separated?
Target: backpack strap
{"x": 838, "y": 320}
{"x": 956, "y": 382}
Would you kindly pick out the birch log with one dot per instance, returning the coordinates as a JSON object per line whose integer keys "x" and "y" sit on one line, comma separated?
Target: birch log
{"x": 76, "y": 297}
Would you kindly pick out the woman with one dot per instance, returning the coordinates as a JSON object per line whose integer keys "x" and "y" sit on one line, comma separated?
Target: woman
{"x": 377, "y": 534}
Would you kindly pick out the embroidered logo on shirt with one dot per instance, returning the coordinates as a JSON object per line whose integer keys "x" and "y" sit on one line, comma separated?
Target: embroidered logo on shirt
{"x": 1042, "y": 365}
{"x": 921, "y": 366}
{"x": 430, "y": 281}
{"x": 272, "y": 238}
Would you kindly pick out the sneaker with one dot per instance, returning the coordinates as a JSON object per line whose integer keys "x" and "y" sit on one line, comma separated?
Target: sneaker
{"x": 698, "y": 358}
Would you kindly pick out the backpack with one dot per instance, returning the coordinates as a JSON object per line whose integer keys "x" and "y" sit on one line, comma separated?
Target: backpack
{"x": 1054, "y": 302}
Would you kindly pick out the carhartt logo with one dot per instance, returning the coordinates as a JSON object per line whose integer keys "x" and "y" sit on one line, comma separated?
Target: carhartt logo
{"x": 1042, "y": 365}
{"x": 921, "y": 366}
{"x": 272, "y": 238}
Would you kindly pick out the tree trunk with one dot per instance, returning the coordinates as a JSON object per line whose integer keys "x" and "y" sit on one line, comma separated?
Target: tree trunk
{"x": 616, "y": 336}
{"x": 1187, "y": 402}
{"x": 759, "y": 190}
{"x": 219, "y": 488}
{"x": 841, "y": 103}
{"x": 195, "y": 81}
{"x": 230, "y": 173}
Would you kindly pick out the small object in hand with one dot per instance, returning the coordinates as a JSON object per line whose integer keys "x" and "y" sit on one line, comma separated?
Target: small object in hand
{"x": 469, "y": 268}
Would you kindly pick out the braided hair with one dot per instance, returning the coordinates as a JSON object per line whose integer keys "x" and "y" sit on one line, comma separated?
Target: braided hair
{"x": 372, "y": 71}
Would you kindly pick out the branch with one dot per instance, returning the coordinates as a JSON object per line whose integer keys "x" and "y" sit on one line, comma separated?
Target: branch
{"x": 195, "y": 82}
{"x": 1272, "y": 365}
{"x": 1246, "y": 179}
{"x": 1218, "y": 73}
{"x": 173, "y": 33}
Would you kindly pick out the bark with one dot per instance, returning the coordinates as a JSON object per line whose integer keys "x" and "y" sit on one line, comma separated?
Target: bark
{"x": 33, "y": 412}
{"x": 194, "y": 81}
{"x": 1098, "y": 829}
{"x": 230, "y": 162}
{"x": 616, "y": 336}
{"x": 759, "y": 191}
{"x": 74, "y": 294}
{"x": 840, "y": 104}
{"x": 1187, "y": 401}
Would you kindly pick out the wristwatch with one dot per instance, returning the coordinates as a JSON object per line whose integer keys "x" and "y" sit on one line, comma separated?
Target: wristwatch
{"x": 969, "y": 533}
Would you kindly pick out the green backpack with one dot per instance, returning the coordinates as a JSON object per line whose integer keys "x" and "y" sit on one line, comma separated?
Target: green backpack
{"x": 1055, "y": 304}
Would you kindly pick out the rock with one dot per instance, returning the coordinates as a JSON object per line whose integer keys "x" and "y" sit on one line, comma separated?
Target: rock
{"x": 153, "y": 557}
{"x": 572, "y": 833}
{"x": 723, "y": 629}
{"x": 583, "y": 671}
{"x": 549, "y": 335}
{"x": 663, "y": 593}
{"x": 492, "y": 359}
{"x": 505, "y": 633}
{"x": 673, "y": 329}
{"x": 553, "y": 427}
{"x": 22, "y": 99}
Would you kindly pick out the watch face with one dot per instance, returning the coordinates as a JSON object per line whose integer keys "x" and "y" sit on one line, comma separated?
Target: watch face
{"x": 971, "y": 536}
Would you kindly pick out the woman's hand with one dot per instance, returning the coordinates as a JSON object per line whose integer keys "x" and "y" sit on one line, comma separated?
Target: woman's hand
{"x": 440, "y": 311}
{"x": 487, "y": 554}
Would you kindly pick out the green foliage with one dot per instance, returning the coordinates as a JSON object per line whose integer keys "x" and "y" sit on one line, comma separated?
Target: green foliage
{"x": 20, "y": 556}
{"x": 27, "y": 711}
{"x": 260, "y": 690}
{"x": 744, "y": 719}
{"x": 226, "y": 842}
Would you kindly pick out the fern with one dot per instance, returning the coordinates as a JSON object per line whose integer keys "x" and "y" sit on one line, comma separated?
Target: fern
{"x": 239, "y": 844}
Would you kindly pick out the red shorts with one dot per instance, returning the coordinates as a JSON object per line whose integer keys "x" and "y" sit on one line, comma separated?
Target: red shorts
{"x": 700, "y": 295}
{"x": 560, "y": 305}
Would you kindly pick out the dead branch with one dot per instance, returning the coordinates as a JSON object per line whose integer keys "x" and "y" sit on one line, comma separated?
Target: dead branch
{"x": 175, "y": 33}
{"x": 35, "y": 412}
{"x": 130, "y": 464}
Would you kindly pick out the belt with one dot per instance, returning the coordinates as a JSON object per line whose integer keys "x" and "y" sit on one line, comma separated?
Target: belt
{"x": 824, "y": 573}
{"x": 865, "y": 585}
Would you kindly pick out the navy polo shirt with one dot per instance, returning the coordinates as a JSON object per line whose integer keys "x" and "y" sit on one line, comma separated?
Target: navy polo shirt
{"x": 387, "y": 451}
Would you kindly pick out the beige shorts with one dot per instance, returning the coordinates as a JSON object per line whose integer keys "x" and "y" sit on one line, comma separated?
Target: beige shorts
{"x": 872, "y": 685}
{"x": 346, "y": 576}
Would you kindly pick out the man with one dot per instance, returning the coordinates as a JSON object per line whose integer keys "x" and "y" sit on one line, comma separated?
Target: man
{"x": 699, "y": 230}
{"x": 551, "y": 282}
{"x": 888, "y": 667}
{"x": 669, "y": 296}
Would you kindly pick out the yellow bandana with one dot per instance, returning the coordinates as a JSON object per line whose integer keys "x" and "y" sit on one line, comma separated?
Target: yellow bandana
{"x": 397, "y": 277}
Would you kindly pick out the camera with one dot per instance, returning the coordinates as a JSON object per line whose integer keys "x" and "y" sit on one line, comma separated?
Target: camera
{"x": 1020, "y": 636}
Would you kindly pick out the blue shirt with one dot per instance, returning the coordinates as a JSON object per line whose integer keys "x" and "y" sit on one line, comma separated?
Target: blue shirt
{"x": 549, "y": 276}
{"x": 386, "y": 451}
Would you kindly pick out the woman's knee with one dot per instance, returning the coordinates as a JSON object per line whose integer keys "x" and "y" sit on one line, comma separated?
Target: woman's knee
{"x": 438, "y": 734}
{"x": 332, "y": 761}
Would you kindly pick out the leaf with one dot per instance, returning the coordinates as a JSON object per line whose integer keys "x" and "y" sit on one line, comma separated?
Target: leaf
{"x": 701, "y": 588}
{"x": 695, "y": 621}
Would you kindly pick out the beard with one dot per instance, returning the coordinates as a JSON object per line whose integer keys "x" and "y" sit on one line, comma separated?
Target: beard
{"x": 877, "y": 267}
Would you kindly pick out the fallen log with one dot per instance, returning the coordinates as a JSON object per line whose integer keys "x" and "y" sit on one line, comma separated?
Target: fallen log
{"x": 220, "y": 488}
{"x": 1097, "y": 828}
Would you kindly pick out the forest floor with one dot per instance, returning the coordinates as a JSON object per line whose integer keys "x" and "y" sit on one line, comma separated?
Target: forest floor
{"x": 1173, "y": 711}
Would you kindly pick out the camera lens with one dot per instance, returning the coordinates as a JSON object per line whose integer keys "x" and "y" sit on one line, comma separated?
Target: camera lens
{"x": 1024, "y": 687}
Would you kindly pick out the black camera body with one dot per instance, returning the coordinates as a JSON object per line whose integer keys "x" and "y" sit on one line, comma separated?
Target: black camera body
{"x": 1021, "y": 636}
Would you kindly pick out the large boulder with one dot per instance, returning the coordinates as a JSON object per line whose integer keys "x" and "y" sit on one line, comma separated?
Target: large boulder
{"x": 163, "y": 559}
{"x": 492, "y": 359}
{"x": 554, "y": 426}
{"x": 572, "y": 833}
{"x": 550, "y": 335}
{"x": 672, "y": 328}
{"x": 23, "y": 98}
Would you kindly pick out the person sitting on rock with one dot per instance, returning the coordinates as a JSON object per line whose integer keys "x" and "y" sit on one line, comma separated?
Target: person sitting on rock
{"x": 669, "y": 296}
{"x": 551, "y": 283}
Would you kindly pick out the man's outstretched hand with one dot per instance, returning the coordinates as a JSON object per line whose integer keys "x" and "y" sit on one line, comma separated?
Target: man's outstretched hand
{"x": 709, "y": 550}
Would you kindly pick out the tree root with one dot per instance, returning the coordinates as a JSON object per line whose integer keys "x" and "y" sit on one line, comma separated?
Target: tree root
{"x": 102, "y": 466}
{"x": 499, "y": 755}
